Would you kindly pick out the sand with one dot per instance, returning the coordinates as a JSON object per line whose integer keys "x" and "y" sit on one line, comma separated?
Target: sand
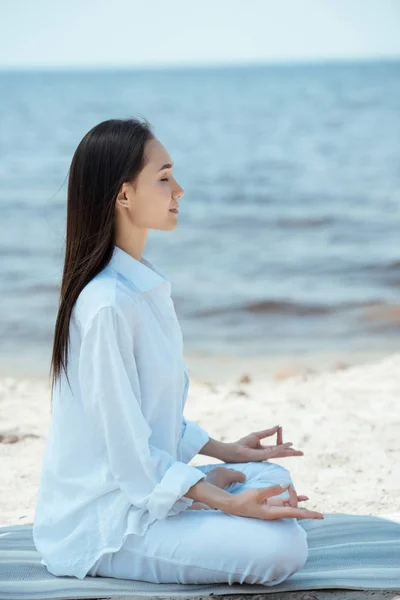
{"x": 346, "y": 421}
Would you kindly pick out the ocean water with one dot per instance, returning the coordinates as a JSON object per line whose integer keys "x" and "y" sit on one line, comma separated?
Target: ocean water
{"x": 288, "y": 237}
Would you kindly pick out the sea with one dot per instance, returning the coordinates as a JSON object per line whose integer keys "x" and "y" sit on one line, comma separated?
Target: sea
{"x": 288, "y": 239}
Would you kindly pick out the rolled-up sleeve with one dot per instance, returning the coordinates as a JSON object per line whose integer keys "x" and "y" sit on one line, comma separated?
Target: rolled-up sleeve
{"x": 194, "y": 437}
{"x": 150, "y": 477}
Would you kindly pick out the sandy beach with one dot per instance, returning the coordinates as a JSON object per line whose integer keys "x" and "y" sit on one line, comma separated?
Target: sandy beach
{"x": 346, "y": 421}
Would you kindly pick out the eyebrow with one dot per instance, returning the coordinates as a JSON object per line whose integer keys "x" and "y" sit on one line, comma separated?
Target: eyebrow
{"x": 166, "y": 166}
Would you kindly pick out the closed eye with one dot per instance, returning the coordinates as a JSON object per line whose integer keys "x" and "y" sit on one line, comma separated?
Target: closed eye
{"x": 165, "y": 179}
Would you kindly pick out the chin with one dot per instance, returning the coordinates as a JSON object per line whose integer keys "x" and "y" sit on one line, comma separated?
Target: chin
{"x": 173, "y": 224}
{"x": 168, "y": 226}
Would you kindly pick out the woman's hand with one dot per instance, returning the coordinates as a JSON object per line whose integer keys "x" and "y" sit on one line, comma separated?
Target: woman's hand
{"x": 260, "y": 503}
{"x": 250, "y": 449}
{"x": 220, "y": 477}
{"x": 223, "y": 476}
{"x": 293, "y": 499}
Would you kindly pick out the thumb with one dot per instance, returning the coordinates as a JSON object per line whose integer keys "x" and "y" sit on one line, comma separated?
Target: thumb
{"x": 272, "y": 490}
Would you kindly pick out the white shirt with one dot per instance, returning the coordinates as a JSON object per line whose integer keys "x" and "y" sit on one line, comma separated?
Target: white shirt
{"x": 118, "y": 446}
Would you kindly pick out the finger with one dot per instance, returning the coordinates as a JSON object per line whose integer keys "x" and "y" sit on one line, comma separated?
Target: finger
{"x": 271, "y": 454}
{"x": 281, "y": 446}
{"x": 286, "y": 501}
{"x": 292, "y": 497}
{"x": 279, "y": 437}
{"x": 287, "y": 452}
{"x": 276, "y": 502}
{"x": 283, "y": 512}
{"x": 272, "y": 490}
{"x": 267, "y": 432}
{"x": 292, "y": 452}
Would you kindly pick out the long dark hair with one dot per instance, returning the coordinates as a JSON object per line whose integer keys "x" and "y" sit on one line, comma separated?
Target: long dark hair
{"x": 111, "y": 153}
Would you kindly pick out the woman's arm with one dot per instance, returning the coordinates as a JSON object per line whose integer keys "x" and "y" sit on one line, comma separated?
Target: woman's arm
{"x": 220, "y": 450}
{"x": 193, "y": 439}
{"x": 149, "y": 477}
{"x": 196, "y": 440}
{"x": 210, "y": 494}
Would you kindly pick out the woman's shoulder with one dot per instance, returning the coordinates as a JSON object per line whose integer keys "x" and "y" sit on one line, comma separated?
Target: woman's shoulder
{"x": 106, "y": 291}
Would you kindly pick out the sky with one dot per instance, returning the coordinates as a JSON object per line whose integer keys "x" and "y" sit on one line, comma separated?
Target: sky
{"x": 146, "y": 33}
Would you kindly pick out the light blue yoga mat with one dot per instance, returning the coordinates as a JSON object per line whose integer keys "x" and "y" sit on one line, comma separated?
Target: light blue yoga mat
{"x": 355, "y": 552}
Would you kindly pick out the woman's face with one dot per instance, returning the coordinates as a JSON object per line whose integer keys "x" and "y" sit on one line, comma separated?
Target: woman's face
{"x": 155, "y": 193}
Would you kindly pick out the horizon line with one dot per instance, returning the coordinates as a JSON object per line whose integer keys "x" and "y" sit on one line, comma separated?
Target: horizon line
{"x": 204, "y": 65}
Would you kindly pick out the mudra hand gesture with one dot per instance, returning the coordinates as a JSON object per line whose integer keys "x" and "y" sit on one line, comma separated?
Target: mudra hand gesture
{"x": 259, "y": 502}
{"x": 250, "y": 449}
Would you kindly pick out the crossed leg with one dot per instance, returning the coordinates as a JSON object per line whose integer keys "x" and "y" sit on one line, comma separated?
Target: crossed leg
{"x": 210, "y": 546}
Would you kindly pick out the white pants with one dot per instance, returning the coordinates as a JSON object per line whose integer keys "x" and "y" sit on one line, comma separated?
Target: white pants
{"x": 210, "y": 546}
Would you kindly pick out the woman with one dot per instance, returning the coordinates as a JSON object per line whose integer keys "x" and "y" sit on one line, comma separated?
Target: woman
{"x": 117, "y": 497}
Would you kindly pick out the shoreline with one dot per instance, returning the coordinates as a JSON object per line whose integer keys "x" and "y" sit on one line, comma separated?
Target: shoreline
{"x": 224, "y": 369}
{"x": 221, "y": 369}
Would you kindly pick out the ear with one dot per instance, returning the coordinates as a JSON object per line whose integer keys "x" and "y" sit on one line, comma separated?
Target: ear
{"x": 122, "y": 199}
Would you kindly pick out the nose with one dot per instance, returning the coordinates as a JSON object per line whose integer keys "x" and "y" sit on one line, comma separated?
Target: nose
{"x": 180, "y": 192}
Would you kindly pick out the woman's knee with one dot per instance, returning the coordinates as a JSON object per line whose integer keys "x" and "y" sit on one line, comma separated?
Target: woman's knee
{"x": 295, "y": 547}
{"x": 286, "y": 556}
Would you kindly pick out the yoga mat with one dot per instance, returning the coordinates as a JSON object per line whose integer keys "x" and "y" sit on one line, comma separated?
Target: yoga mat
{"x": 354, "y": 552}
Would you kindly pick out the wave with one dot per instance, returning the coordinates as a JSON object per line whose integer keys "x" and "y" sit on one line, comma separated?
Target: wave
{"x": 283, "y": 307}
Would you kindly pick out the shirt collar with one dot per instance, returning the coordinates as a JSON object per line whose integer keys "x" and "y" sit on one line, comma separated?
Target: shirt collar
{"x": 141, "y": 273}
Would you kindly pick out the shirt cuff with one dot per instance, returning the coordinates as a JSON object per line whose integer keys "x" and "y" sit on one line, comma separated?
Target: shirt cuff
{"x": 168, "y": 494}
{"x": 193, "y": 439}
